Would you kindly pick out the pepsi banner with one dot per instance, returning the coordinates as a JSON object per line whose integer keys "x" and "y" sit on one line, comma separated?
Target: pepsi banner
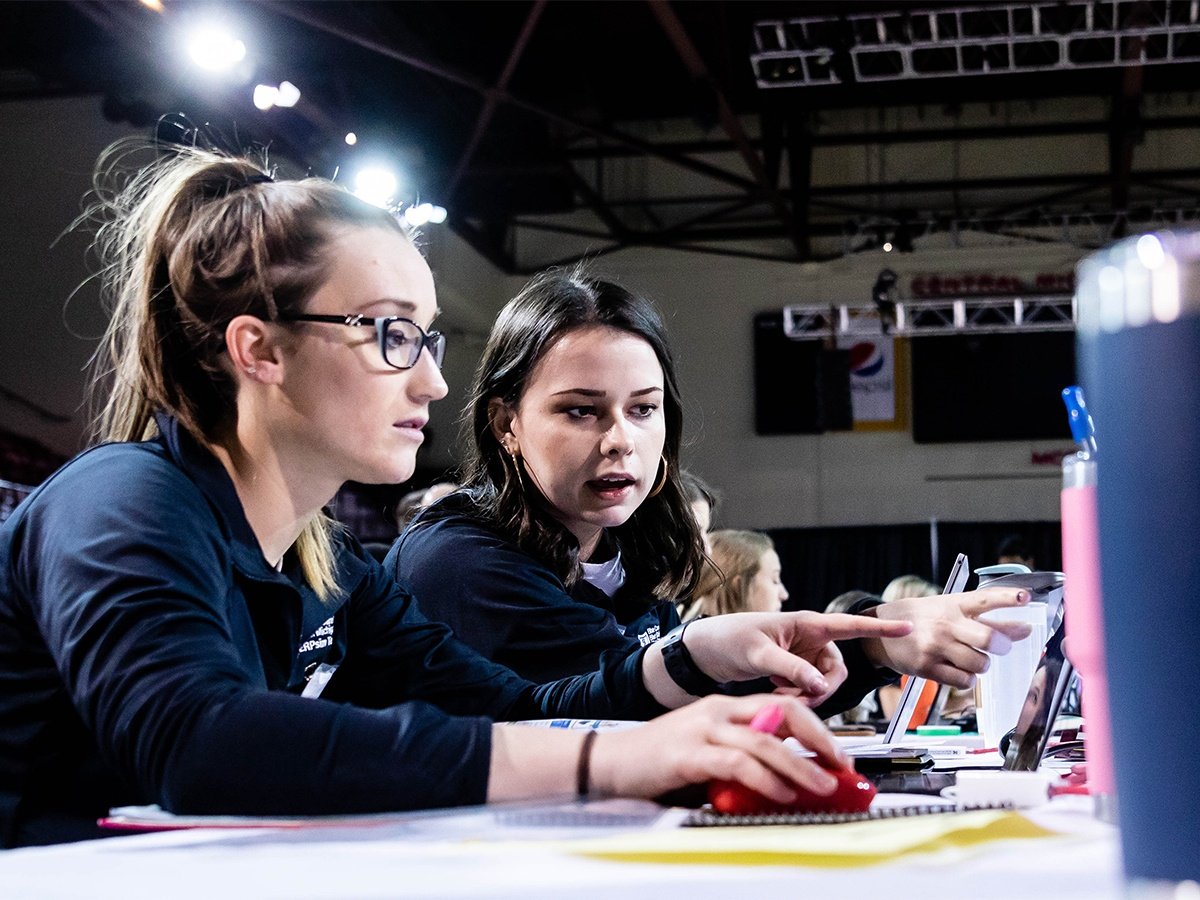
{"x": 872, "y": 379}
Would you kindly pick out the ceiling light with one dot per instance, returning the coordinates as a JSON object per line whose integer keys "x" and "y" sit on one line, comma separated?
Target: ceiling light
{"x": 289, "y": 94}
{"x": 423, "y": 213}
{"x": 215, "y": 49}
{"x": 266, "y": 96}
{"x": 351, "y": 138}
{"x": 376, "y": 185}
{"x": 887, "y": 246}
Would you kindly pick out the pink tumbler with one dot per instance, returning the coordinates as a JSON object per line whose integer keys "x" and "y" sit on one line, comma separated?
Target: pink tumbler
{"x": 1081, "y": 594}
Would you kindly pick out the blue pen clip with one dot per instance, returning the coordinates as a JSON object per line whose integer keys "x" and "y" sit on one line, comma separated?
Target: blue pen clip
{"x": 1083, "y": 429}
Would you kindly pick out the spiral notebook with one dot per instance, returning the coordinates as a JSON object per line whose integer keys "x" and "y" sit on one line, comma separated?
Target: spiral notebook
{"x": 706, "y": 818}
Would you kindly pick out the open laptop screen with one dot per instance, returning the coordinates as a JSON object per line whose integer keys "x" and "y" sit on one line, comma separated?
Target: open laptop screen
{"x": 959, "y": 573}
{"x": 1042, "y": 703}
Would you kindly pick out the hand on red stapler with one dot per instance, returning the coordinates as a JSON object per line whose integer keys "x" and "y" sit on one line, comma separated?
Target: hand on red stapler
{"x": 852, "y": 794}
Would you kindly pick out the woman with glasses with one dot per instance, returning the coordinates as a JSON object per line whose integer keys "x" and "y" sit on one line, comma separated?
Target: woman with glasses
{"x": 181, "y": 624}
{"x": 573, "y": 536}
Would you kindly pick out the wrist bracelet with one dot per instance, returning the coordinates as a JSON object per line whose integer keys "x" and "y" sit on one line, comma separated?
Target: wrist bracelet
{"x": 583, "y": 772}
{"x": 682, "y": 668}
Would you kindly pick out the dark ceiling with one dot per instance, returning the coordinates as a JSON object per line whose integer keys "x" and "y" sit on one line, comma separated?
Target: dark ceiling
{"x": 508, "y": 113}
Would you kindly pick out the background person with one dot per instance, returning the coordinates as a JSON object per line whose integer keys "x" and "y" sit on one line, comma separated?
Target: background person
{"x": 1015, "y": 549}
{"x": 415, "y": 501}
{"x": 703, "y": 499}
{"x": 748, "y": 576}
{"x": 904, "y": 586}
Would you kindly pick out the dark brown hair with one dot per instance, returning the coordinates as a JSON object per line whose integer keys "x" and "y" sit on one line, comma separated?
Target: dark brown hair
{"x": 660, "y": 543}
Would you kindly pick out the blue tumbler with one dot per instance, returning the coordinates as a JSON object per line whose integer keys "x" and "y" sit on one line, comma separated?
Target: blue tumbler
{"x": 1139, "y": 355}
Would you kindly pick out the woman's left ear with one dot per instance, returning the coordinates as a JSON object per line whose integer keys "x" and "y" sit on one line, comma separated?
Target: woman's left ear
{"x": 253, "y": 349}
{"x": 500, "y": 416}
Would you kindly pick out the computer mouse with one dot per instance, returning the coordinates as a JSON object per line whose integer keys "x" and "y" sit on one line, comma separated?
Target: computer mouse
{"x": 853, "y": 794}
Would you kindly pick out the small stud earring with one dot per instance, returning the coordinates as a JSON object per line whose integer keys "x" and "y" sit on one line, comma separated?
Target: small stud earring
{"x": 250, "y": 370}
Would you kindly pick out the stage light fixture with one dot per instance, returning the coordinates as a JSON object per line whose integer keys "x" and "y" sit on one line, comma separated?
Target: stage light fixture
{"x": 214, "y": 49}
{"x": 351, "y": 138}
{"x": 266, "y": 96}
{"x": 424, "y": 213}
{"x": 376, "y": 185}
{"x": 289, "y": 94}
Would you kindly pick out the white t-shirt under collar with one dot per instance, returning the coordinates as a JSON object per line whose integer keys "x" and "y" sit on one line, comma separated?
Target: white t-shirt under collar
{"x": 608, "y": 576}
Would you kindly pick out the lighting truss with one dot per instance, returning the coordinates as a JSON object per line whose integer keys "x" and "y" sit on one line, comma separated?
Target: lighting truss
{"x": 943, "y": 315}
{"x": 974, "y": 40}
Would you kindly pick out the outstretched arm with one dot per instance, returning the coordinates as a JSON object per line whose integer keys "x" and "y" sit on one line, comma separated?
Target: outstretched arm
{"x": 795, "y": 650}
{"x": 948, "y": 642}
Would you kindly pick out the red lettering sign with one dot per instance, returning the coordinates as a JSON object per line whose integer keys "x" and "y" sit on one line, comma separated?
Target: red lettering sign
{"x": 989, "y": 284}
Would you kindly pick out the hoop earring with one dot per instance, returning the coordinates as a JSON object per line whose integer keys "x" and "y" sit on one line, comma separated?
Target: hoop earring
{"x": 662, "y": 482}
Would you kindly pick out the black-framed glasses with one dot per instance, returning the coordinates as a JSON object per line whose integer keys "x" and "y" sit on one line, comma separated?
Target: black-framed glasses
{"x": 400, "y": 340}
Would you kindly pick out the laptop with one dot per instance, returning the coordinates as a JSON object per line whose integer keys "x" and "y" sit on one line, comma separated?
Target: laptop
{"x": 1046, "y": 692}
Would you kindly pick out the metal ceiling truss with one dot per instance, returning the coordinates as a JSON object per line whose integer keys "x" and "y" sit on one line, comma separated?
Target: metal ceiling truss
{"x": 974, "y": 40}
{"x": 753, "y": 206}
{"x": 903, "y": 136}
{"x": 1080, "y": 229}
{"x": 915, "y": 318}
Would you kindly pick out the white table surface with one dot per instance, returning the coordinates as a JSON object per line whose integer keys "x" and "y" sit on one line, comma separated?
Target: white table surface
{"x": 1082, "y": 862}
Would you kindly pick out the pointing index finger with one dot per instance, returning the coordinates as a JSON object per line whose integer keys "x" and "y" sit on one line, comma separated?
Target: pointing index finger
{"x": 981, "y": 601}
{"x": 841, "y": 626}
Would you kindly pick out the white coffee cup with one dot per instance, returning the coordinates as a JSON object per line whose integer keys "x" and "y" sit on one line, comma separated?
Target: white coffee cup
{"x": 1000, "y": 691}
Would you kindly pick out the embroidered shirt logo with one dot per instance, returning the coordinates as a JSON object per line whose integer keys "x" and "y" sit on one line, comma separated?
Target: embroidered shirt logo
{"x": 649, "y": 636}
{"x": 322, "y": 638}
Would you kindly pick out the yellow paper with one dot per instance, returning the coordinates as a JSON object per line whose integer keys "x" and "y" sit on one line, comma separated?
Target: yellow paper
{"x": 834, "y": 846}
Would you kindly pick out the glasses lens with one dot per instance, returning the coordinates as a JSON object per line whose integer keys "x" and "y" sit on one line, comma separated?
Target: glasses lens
{"x": 402, "y": 344}
{"x": 437, "y": 346}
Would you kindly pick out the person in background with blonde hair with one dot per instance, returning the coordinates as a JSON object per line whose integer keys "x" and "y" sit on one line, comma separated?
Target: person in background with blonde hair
{"x": 904, "y": 586}
{"x": 180, "y": 624}
{"x": 748, "y": 576}
{"x": 415, "y": 501}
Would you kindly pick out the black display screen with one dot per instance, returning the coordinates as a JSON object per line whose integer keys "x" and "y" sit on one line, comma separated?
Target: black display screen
{"x": 991, "y": 387}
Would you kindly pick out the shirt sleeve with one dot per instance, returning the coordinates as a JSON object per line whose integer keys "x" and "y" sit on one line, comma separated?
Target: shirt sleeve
{"x": 397, "y": 653}
{"x": 509, "y": 607}
{"x": 129, "y": 578}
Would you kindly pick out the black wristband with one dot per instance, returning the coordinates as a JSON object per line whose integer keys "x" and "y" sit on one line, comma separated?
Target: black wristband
{"x": 583, "y": 773}
{"x": 682, "y": 668}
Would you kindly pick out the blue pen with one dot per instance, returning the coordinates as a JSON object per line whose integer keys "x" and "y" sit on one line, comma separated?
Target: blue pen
{"x": 1083, "y": 429}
